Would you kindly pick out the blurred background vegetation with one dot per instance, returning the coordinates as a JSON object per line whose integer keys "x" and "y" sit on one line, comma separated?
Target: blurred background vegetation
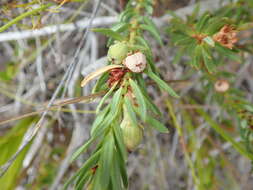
{"x": 210, "y": 139}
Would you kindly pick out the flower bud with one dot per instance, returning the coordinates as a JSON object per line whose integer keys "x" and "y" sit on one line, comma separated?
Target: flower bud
{"x": 136, "y": 62}
{"x": 132, "y": 134}
{"x": 221, "y": 86}
{"x": 117, "y": 52}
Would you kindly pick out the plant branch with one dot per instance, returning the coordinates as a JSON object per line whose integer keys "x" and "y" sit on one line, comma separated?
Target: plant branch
{"x": 22, "y": 16}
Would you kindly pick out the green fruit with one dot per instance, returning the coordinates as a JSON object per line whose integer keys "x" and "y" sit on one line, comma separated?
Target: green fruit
{"x": 132, "y": 134}
{"x": 117, "y": 52}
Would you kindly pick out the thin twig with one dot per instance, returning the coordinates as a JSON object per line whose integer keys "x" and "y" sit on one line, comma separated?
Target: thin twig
{"x": 55, "y": 107}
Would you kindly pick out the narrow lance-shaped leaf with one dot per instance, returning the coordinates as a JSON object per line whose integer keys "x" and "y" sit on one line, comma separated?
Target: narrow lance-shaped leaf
{"x": 114, "y": 110}
{"x": 87, "y": 165}
{"x": 99, "y": 119}
{"x": 123, "y": 171}
{"x": 130, "y": 110}
{"x": 105, "y": 97}
{"x": 153, "y": 32}
{"x": 162, "y": 84}
{"x": 140, "y": 99}
{"x": 208, "y": 61}
{"x": 106, "y": 160}
{"x": 110, "y": 33}
{"x": 157, "y": 125}
{"x": 120, "y": 142}
{"x": 116, "y": 175}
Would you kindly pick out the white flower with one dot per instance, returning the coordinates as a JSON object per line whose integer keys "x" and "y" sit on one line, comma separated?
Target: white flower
{"x": 136, "y": 62}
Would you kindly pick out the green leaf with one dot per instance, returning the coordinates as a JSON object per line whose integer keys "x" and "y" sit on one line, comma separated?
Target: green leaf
{"x": 99, "y": 119}
{"x": 123, "y": 171}
{"x": 185, "y": 40}
{"x": 137, "y": 47}
{"x": 118, "y": 27}
{"x": 9, "y": 73}
{"x": 81, "y": 149}
{"x": 148, "y": 100}
{"x": 91, "y": 162}
{"x": 9, "y": 144}
{"x": 114, "y": 110}
{"x": 130, "y": 110}
{"x": 195, "y": 13}
{"x": 151, "y": 24}
{"x": 228, "y": 53}
{"x": 119, "y": 141}
{"x": 153, "y": 32}
{"x": 208, "y": 61}
{"x": 202, "y": 22}
{"x": 126, "y": 15}
{"x": 162, "y": 84}
{"x": 106, "y": 160}
{"x": 82, "y": 179}
{"x": 115, "y": 175}
{"x": 140, "y": 99}
{"x": 157, "y": 125}
{"x": 197, "y": 57}
{"x": 215, "y": 25}
{"x": 116, "y": 99}
{"x": 110, "y": 33}
{"x": 224, "y": 134}
{"x": 105, "y": 97}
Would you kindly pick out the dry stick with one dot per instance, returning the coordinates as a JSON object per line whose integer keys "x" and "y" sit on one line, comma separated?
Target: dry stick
{"x": 181, "y": 140}
{"x": 63, "y": 103}
{"x": 65, "y": 78}
{"x": 5, "y": 167}
{"x": 103, "y": 21}
{"x": 22, "y": 16}
{"x": 65, "y": 162}
{"x": 89, "y": 98}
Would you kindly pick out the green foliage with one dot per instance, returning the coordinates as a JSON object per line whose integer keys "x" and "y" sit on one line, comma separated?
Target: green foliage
{"x": 8, "y": 146}
{"x": 196, "y": 38}
{"x": 126, "y": 102}
{"x": 9, "y": 73}
{"x": 106, "y": 168}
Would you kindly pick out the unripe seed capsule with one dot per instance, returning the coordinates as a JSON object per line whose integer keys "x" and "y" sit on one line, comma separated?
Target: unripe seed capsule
{"x": 117, "y": 52}
{"x": 132, "y": 134}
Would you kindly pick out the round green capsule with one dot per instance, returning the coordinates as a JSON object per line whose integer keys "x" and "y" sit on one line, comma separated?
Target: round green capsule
{"x": 117, "y": 52}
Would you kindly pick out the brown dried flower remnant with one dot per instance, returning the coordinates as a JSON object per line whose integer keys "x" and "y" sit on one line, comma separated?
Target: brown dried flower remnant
{"x": 199, "y": 37}
{"x": 116, "y": 75}
{"x": 226, "y": 36}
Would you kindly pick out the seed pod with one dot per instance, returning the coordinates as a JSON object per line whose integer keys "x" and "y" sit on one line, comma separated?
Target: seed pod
{"x": 117, "y": 52}
{"x": 136, "y": 62}
{"x": 132, "y": 134}
{"x": 221, "y": 85}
